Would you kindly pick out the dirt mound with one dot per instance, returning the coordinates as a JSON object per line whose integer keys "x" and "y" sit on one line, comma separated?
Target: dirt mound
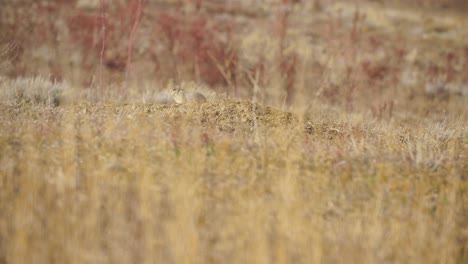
{"x": 226, "y": 115}
{"x": 223, "y": 115}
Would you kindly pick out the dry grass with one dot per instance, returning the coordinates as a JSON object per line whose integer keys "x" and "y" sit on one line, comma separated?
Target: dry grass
{"x": 228, "y": 181}
{"x": 334, "y": 132}
{"x": 33, "y": 91}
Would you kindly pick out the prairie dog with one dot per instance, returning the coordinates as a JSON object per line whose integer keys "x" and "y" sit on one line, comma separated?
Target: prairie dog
{"x": 182, "y": 96}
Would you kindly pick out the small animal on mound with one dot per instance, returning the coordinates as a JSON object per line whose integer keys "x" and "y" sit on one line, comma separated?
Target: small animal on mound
{"x": 181, "y": 96}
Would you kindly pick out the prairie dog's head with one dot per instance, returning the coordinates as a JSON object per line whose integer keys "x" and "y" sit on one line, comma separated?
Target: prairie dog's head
{"x": 177, "y": 91}
{"x": 178, "y": 95}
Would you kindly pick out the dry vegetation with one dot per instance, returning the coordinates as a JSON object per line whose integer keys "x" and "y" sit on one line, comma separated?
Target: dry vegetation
{"x": 334, "y": 132}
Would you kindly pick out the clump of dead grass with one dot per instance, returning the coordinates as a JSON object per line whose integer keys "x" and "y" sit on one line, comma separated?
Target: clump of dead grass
{"x": 32, "y": 90}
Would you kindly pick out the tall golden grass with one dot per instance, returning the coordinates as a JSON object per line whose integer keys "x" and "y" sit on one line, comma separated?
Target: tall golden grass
{"x": 228, "y": 182}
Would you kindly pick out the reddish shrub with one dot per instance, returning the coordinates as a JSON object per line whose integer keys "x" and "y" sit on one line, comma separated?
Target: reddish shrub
{"x": 193, "y": 41}
{"x": 373, "y": 71}
{"x": 103, "y": 31}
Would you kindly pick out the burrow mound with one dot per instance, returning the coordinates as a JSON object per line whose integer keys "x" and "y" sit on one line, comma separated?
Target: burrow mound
{"x": 226, "y": 115}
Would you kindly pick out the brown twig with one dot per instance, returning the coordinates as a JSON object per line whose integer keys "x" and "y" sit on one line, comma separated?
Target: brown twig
{"x": 131, "y": 39}
{"x": 103, "y": 46}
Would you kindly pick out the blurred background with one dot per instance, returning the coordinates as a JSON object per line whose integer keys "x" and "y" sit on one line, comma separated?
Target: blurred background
{"x": 293, "y": 51}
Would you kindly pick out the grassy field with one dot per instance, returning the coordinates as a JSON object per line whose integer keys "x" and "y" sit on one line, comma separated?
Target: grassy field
{"x": 334, "y": 132}
{"x": 228, "y": 181}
